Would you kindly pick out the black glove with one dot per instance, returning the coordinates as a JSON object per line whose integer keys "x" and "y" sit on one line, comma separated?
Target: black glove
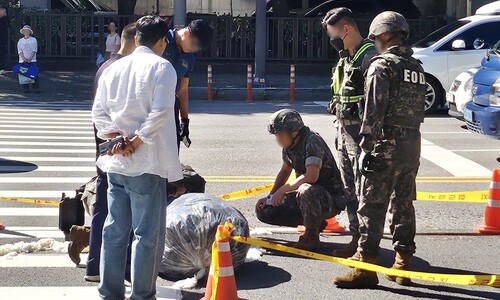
{"x": 185, "y": 132}
{"x": 364, "y": 162}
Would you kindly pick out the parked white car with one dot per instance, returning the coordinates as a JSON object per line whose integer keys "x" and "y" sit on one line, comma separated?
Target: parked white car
{"x": 460, "y": 93}
{"x": 448, "y": 51}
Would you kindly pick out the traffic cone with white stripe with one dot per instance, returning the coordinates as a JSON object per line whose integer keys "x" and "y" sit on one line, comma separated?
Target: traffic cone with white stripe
{"x": 221, "y": 284}
{"x": 491, "y": 222}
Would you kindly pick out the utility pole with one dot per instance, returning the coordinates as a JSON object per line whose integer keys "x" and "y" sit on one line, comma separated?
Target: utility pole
{"x": 260, "y": 43}
{"x": 180, "y": 13}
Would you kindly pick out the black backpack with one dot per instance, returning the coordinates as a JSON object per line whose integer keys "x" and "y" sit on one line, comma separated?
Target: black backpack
{"x": 71, "y": 211}
{"x": 192, "y": 181}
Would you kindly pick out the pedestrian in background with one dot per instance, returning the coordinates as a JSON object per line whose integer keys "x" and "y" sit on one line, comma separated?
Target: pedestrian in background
{"x": 4, "y": 36}
{"x": 27, "y": 47}
{"x": 135, "y": 99}
{"x": 112, "y": 41}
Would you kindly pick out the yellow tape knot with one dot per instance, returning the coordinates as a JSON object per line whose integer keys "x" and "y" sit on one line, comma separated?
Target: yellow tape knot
{"x": 224, "y": 231}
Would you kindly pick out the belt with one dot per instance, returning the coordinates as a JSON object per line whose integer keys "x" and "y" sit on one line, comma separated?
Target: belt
{"x": 347, "y": 122}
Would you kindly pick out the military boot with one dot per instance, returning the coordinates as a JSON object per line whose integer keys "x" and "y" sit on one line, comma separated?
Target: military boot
{"x": 401, "y": 262}
{"x": 349, "y": 250}
{"x": 358, "y": 278}
{"x": 79, "y": 239}
{"x": 309, "y": 240}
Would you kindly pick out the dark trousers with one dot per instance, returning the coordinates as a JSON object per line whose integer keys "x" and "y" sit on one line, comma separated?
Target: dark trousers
{"x": 288, "y": 214}
{"x": 3, "y": 54}
{"x": 100, "y": 214}
{"x": 178, "y": 121}
{"x": 36, "y": 85}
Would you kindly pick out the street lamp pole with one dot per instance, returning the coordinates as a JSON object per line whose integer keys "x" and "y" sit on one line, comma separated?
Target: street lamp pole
{"x": 180, "y": 13}
{"x": 260, "y": 43}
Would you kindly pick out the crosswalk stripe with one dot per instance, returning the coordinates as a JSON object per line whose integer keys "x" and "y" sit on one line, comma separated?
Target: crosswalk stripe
{"x": 48, "y": 158}
{"x": 44, "y": 126}
{"x": 44, "y": 180}
{"x": 21, "y": 150}
{"x": 41, "y": 113}
{"x": 75, "y": 132}
{"x": 65, "y": 144}
{"x": 13, "y": 232}
{"x": 75, "y": 293}
{"x": 40, "y": 261}
{"x": 28, "y": 121}
{"x": 46, "y": 169}
{"x": 29, "y": 212}
{"x": 45, "y": 117}
{"x": 46, "y": 137}
{"x": 45, "y": 194}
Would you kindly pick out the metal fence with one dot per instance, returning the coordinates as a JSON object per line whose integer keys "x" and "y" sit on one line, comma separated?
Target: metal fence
{"x": 288, "y": 39}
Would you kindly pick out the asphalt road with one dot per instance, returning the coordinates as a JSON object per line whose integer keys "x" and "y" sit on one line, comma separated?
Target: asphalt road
{"x": 232, "y": 149}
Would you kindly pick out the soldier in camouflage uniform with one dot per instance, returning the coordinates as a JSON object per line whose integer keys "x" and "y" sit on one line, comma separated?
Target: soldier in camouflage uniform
{"x": 316, "y": 192}
{"x": 347, "y": 105}
{"x": 395, "y": 97}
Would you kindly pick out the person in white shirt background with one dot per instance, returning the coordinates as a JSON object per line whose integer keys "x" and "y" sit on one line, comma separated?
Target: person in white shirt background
{"x": 112, "y": 41}
{"x": 27, "y": 47}
{"x": 135, "y": 99}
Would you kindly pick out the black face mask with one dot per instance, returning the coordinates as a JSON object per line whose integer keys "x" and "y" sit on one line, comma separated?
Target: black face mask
{"x": 338, "y": 44}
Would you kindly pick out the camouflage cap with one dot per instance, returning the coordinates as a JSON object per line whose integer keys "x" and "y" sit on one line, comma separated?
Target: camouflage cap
{"x": 285, "y": 120}
{"x": 388, "y": 21}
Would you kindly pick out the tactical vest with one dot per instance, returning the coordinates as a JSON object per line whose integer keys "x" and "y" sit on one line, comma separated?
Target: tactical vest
{"x": 348, "y": 84}
{"x": 405, "y": 107}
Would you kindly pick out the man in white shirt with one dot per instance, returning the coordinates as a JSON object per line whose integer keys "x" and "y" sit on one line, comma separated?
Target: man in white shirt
{"x": 27, "y": 47}
{"x": 135, "y": 99}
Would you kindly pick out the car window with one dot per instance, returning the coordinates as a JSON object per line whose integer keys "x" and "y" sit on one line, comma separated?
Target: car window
{"x": 487, "y": 31}
{"x": 432, "y": 38}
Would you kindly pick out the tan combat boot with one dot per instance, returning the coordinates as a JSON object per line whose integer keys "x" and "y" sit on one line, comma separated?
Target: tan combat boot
{"x": 350, "y": 248}
{"x": 401, "y": 262}
{"x": 357, "y": 278}
{"x": 79, "y": 237}
{"x": 309, "y": 240}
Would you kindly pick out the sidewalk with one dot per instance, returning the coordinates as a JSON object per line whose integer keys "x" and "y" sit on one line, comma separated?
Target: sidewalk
{"x": 229, "y": 83}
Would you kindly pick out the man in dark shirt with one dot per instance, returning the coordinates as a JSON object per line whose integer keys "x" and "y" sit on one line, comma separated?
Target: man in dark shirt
{"x": 317, "y": 192}
{"x": 182, "y": 45}
{"x": 79, "y": 235}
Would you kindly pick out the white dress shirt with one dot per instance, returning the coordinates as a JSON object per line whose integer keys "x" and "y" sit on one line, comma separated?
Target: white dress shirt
{"x": 136, "y": 95}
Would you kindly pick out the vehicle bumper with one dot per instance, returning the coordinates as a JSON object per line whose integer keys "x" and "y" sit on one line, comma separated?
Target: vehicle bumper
{"x": 453, "y": 111}
{"x": 484, "y": 120}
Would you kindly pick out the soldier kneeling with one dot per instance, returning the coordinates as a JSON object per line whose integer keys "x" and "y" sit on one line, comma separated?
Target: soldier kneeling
{"x": 316, "y": 194}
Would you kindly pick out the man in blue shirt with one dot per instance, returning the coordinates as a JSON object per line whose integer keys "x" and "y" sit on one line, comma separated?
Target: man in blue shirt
{"x": 181, "y": 49}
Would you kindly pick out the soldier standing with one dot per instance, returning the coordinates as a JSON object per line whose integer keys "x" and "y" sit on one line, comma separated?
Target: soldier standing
{"x": 395, "y": 97}
{"x": 314, "y": 195}
{"x": 347, "y": 105}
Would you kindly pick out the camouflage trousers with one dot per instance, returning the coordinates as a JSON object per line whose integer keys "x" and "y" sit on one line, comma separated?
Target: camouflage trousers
{"x": 347, "y": 141}
{"x": 395, "y": 165}
{"x": 308, "y": 206}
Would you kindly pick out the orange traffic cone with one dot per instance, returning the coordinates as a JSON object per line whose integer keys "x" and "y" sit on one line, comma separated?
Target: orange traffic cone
{"x": 221, "y": 284}
{"x": 332, "y": 226}
{"x": 491, "y": 222}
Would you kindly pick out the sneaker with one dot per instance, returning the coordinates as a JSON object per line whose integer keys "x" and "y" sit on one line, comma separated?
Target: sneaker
{"x": 94, "y": 278}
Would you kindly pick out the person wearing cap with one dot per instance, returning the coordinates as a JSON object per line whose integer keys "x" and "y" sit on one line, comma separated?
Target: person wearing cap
{"x": 182, "y": 45}
{"x": 389, "y": 161}
{"x": 317, "y": 192}
{"x": 27, "y": 47}
{"x": 347, "y": 106}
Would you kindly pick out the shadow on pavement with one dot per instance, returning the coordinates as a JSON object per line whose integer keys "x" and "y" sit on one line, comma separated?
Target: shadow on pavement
{"x": 268, "y": 277}
{"x": 404, "y": 291}
{"x": 14, "y": 166}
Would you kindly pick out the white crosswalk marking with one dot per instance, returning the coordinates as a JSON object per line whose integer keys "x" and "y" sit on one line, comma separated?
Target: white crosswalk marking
{"x": 45, "y": 149}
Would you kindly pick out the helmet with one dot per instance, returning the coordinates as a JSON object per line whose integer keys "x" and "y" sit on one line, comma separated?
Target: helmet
{"x": 388, "y": 21}
{"x": 285, "y": 120}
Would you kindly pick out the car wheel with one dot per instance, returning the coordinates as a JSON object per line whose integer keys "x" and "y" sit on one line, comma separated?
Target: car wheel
{"x": 433, "y": 95}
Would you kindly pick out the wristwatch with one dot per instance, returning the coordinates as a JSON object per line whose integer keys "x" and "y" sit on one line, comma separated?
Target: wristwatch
{"x": 269, "y": 199}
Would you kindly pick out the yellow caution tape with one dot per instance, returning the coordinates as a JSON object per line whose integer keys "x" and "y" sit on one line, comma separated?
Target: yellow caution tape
{"x": 476, "y": 196}
{"x": 247, "y": 193}
{"x": 31, "y": 201}
{"x": 485, "y": 280}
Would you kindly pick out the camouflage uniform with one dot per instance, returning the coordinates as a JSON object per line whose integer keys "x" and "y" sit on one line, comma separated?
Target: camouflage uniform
{"x": 347, "y": 105}
{"x": 395, "y": 97}
{"x": 311, "y": 204}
